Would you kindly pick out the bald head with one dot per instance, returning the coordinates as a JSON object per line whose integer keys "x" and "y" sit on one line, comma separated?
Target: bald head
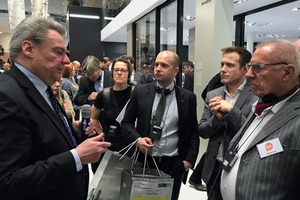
{"x": 297, "y": 44}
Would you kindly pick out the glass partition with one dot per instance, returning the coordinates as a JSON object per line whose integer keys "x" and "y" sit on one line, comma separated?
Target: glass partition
{"x": 168, "y": 27}
{"x": 145, "y": 40}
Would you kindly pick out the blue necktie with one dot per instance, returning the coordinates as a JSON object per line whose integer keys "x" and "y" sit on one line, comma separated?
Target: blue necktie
{"x": 57, "y": 108}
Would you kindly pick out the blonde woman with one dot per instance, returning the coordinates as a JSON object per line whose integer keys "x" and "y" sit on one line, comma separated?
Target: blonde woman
{"x": 64, "y": 100}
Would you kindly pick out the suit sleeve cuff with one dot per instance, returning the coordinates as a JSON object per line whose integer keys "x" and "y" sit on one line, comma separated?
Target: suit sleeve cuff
{"x": 77, "y": 160}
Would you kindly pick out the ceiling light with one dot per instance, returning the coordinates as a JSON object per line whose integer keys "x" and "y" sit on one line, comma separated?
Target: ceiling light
{"x": 189, "y": 18}
{"x": 296, "y": 9}
{"x": 270, "y": 35}
{"x": 109, "y": 18}
{"x": 239, "y": 1}
{"x": 258, "y": 23}
{"x": 84, "y": 16}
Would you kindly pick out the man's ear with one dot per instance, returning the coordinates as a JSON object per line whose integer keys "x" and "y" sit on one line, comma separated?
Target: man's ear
{"x": 27, "y": 48}
{"x": 288, "y": 71}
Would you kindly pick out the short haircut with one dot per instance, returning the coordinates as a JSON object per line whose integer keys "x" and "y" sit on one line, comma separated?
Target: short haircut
{"x": 121, "y": 59}
{"x": 34, "y": 29}
{"x": 90, "y": 65}
{"x": 282, "y": 51}
{"x": 189, "y": 64}
{"x": 244, "y": 54}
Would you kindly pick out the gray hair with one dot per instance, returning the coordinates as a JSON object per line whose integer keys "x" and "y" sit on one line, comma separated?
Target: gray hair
{"x": 283, "y": 51}
{"x": 90, "y": 65}
{"x": 33, "y": 29}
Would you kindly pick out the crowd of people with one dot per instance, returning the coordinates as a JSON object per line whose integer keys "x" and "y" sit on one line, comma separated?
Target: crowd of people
{"x": 250, "y": 118}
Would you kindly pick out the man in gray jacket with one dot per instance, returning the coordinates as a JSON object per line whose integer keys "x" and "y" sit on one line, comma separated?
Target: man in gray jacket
{"x": 226, "y": 110}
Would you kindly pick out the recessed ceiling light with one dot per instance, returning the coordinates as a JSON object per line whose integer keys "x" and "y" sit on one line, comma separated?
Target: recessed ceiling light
{"x": 296, "y": 9}
{"x": 239, "y": 1}
{"x": 270, "y": 35}
{"x": 189, "y": 18}
{"x": 258, "y": 23}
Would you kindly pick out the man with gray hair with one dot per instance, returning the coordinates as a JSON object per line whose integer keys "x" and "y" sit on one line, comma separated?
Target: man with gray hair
{"x": 262, "y": 161}
{"x": 42, "y": 156}
{"x": 93, "y": 82}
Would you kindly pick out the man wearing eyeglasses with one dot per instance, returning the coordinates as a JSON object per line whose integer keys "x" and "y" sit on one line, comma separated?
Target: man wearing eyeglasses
{"x": 93, "y": 82}
{"x": 226, "y": 109}
{"x": 262, "y": 161}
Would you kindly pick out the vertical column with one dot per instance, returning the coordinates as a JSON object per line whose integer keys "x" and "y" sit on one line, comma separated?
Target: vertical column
{"x": 39, "y": 7}
{"x": 250, "y": 46}
{"x": 213, "y": 31}
{"x": 16, "y": 10}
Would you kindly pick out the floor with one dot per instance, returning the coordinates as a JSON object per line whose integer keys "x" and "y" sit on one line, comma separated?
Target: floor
{"x": 189, "y": 193}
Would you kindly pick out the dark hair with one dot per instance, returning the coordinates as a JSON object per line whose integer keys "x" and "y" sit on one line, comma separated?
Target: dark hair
{"x": 105, "y": 59}
{"x": 245, "y": 55}
{"x": 131, "y": 59}
{"x": 189, "y": 63}
{"x": 122, "y": 59}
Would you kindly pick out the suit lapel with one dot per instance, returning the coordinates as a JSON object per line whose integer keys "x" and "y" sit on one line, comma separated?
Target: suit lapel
{"x": 244, "y": 95}
{"x": 149, "y": 95}
{"x": 181, "y": 106}
{"x": 284, "y": 115}
{"x": 34, "y": 94}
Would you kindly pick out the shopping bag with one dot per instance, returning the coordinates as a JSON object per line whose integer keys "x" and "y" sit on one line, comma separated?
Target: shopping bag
{"x": 106, "y": 181}
{"x": 148, "y": 185}
{"x": 145, "y": 184}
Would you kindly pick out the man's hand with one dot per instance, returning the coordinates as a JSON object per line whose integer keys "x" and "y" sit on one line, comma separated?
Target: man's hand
{"x": 187, "y": 165}
{"x": 145, "y": 145}
{"x": 93, "y": 96}
{"x": 90, "y": 130}
{"x": 219, "y": 107}
{"x": 91, "y": 149}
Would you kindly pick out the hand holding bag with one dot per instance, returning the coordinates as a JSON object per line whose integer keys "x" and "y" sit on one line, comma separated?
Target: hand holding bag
{"x": 106, "y": 181}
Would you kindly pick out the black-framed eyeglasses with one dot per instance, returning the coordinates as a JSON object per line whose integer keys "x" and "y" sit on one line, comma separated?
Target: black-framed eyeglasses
{"x": 257, "y": 67}
{"x": 120, "y": 70}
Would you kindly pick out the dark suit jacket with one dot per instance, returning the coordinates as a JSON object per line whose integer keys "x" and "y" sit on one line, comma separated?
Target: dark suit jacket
{"x": 86, "y": 87}
{"x": 140, "y": 107}
{"x": 210, "y": 127}
{"x": 276, "y": 176}
{"x": 189, "y": 81}
{"x": 35, "y": 158}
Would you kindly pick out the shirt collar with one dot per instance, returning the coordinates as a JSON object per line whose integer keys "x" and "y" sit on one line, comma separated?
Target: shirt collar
{"x": 36, "y": 81}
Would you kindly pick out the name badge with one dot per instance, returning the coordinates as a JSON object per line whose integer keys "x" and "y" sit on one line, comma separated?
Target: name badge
{"x": 269, "y": 148}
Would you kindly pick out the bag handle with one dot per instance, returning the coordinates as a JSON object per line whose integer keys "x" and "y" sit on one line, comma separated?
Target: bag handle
{"x": 135, "y": 154}
{"x": 145, "y": 162}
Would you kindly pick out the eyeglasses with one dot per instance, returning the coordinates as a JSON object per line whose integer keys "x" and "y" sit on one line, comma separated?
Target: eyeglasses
{"x": 120, "y": 70}
{"x": 257, "y": 67}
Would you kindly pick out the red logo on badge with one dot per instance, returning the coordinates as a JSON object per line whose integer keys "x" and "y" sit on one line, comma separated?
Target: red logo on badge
{"x": 269, "y": 146}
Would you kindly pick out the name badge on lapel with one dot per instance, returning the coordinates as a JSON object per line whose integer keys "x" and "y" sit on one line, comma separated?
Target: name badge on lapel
{"x": 269, "y": 148}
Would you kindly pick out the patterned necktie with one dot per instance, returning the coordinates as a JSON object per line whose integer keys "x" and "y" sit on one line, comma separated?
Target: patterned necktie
{"x": 58, "y": 111}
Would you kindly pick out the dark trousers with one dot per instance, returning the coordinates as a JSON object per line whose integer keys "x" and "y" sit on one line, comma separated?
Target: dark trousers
{"x": 213, "y": 185}
{"x": 196, "y": 176}
{"x": 172, "y": 166}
